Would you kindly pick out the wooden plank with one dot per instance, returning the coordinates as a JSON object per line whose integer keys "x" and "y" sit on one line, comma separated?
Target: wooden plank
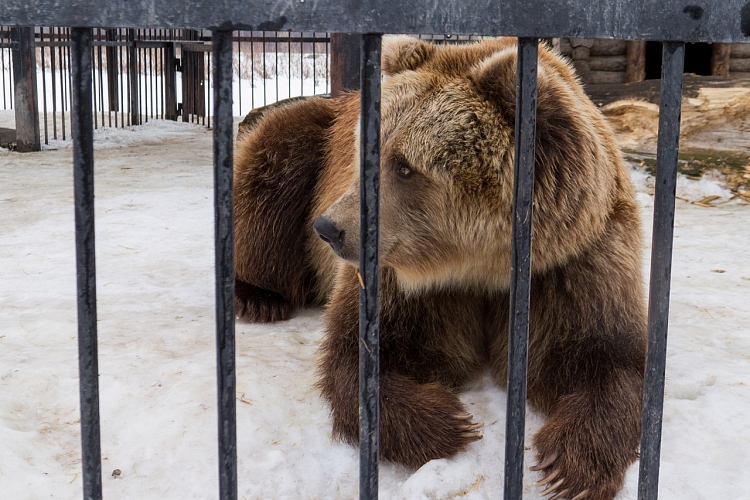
{"x": 635, "y": 70}
{"x": 596, "y": 77}
{"x": 345, "y": 68}
{"x": 739, "y": 65}
{"x": 608, "y": 63}
{"x": 720, "y": 59}
{"x": 170, "y": 83}
{"x": 740, "y": 50}
{"x": 25, "y": 91}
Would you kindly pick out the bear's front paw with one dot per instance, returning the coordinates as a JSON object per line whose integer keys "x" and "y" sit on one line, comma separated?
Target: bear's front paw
{"x": 581, "y": 459}
{"x": 422, "y": 422}
{"x": 258, "y": 305}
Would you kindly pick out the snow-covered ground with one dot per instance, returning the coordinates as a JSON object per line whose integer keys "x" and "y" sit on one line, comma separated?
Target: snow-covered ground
{"x": 154, "y": 224}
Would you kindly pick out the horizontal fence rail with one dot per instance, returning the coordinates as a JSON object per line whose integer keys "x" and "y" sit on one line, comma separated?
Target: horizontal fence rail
{"x": 708, "y": 21}
{"x": 672, "y": 21}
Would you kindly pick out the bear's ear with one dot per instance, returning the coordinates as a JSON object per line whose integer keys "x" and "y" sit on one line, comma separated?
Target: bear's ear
{"x": 402, "y": 53}
{"x": 495, "y": 78}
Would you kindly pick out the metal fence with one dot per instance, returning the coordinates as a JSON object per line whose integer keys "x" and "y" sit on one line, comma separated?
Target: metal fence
{"x": 670, "y": 21}
{"x": 142, "y": 74}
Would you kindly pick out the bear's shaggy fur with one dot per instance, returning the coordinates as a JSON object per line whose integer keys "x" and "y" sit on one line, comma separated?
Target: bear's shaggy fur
{"x": 447, "y": 150}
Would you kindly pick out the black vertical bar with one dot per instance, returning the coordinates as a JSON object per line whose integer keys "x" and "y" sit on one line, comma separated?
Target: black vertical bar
{"x": 53, "y": 64}
{"x": 520, "y": 266}
{"x": 208, "y": 86}
{"x": 314, "y": 66}
{"x": 152, "y": 52}
{"x": 134, "y": 85}
{"x": 2, "y": 66}
{"x": 121, "y": 89}
{"x": 63, "y": 93}
{"x": 369, "y": 321}
{"x": 673, "y": 57}
{"x": 65, "y": 75}
{"x": 170, "y": 83}
{"x": 93, "y": 89}
{"x": 265, "y": 75}
{"x": 113, "y": 69}
{"x": 100, "y": 73}
{"x": 44, "y": 86}
{"x": 276, "y": 55}
{"x": 222, "y": 51}
{"x": 252, "y": 70}
{"x": 83, "y": 178}
{"x": 239, "y": 71}
{"x": 301, "y": 63}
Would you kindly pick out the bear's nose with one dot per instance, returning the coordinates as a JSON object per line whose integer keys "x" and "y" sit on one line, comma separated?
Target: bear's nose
{"x": 328, "y": 232}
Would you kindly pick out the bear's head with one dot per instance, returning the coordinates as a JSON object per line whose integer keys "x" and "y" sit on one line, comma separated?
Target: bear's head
{"x": 446, "y": 166}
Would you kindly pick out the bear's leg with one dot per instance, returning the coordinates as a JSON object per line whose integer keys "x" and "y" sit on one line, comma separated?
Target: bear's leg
{"x": 276, "y": 169}
{"x": 256, "y": 304}
{"x": 430, "y": 344}
{"x": 591, "y": 438}
{"x": 418, "y": 422}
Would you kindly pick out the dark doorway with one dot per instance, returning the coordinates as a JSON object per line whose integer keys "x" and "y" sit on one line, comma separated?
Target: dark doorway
{"x": 697, "y": 59}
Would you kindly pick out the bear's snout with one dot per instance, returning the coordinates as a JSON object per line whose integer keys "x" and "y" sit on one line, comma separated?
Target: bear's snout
{"x": 328, "y": 232}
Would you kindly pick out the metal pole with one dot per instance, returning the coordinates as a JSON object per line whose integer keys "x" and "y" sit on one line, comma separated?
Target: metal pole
{"x": 83, "y": 180}
{"x": 673, "y": 57}
{"x": 369, "y": 307}
{"x": 520, "y": 268}
{"x": 224, "y": 239}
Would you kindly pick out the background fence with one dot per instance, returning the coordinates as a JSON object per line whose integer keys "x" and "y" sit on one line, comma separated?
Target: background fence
{"x": 142, "y": 74}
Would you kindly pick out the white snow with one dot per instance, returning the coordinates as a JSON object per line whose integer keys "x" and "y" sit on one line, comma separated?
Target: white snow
{"x": 154, "y": 225}
{"x": 258, "y": 81}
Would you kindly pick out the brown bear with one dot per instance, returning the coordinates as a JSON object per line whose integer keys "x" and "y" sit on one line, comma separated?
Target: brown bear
{"x": 447, "y": 149}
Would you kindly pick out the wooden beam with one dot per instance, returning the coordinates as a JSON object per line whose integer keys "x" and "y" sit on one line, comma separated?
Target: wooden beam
{"x": 720, "y": 59}
{"x": 636, "y": 64}
{"x": 344, "y": 62}
{"x": 25, "y": 92}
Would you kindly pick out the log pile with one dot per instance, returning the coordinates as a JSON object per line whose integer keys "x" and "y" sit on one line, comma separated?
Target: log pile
{"x": 714, "y": 127}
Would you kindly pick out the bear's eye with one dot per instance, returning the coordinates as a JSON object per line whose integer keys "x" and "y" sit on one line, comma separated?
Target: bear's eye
{"x": 403, "y": 169}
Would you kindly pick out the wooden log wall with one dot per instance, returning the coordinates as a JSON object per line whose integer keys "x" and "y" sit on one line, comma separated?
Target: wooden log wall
{"x": 597, "y": 61}
{"x": 739, "y": 60}
{"x": 620, "y": 61}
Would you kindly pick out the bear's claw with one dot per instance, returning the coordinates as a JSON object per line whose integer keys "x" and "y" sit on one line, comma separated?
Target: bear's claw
{"x": 554, "y": 487}
{"x": 473, "y": 427}
{"x": 463, "y": 416}
{"x": 560, "y": 495}
{"x": 546, "y": 462}
{"x": 548, "y": 479}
